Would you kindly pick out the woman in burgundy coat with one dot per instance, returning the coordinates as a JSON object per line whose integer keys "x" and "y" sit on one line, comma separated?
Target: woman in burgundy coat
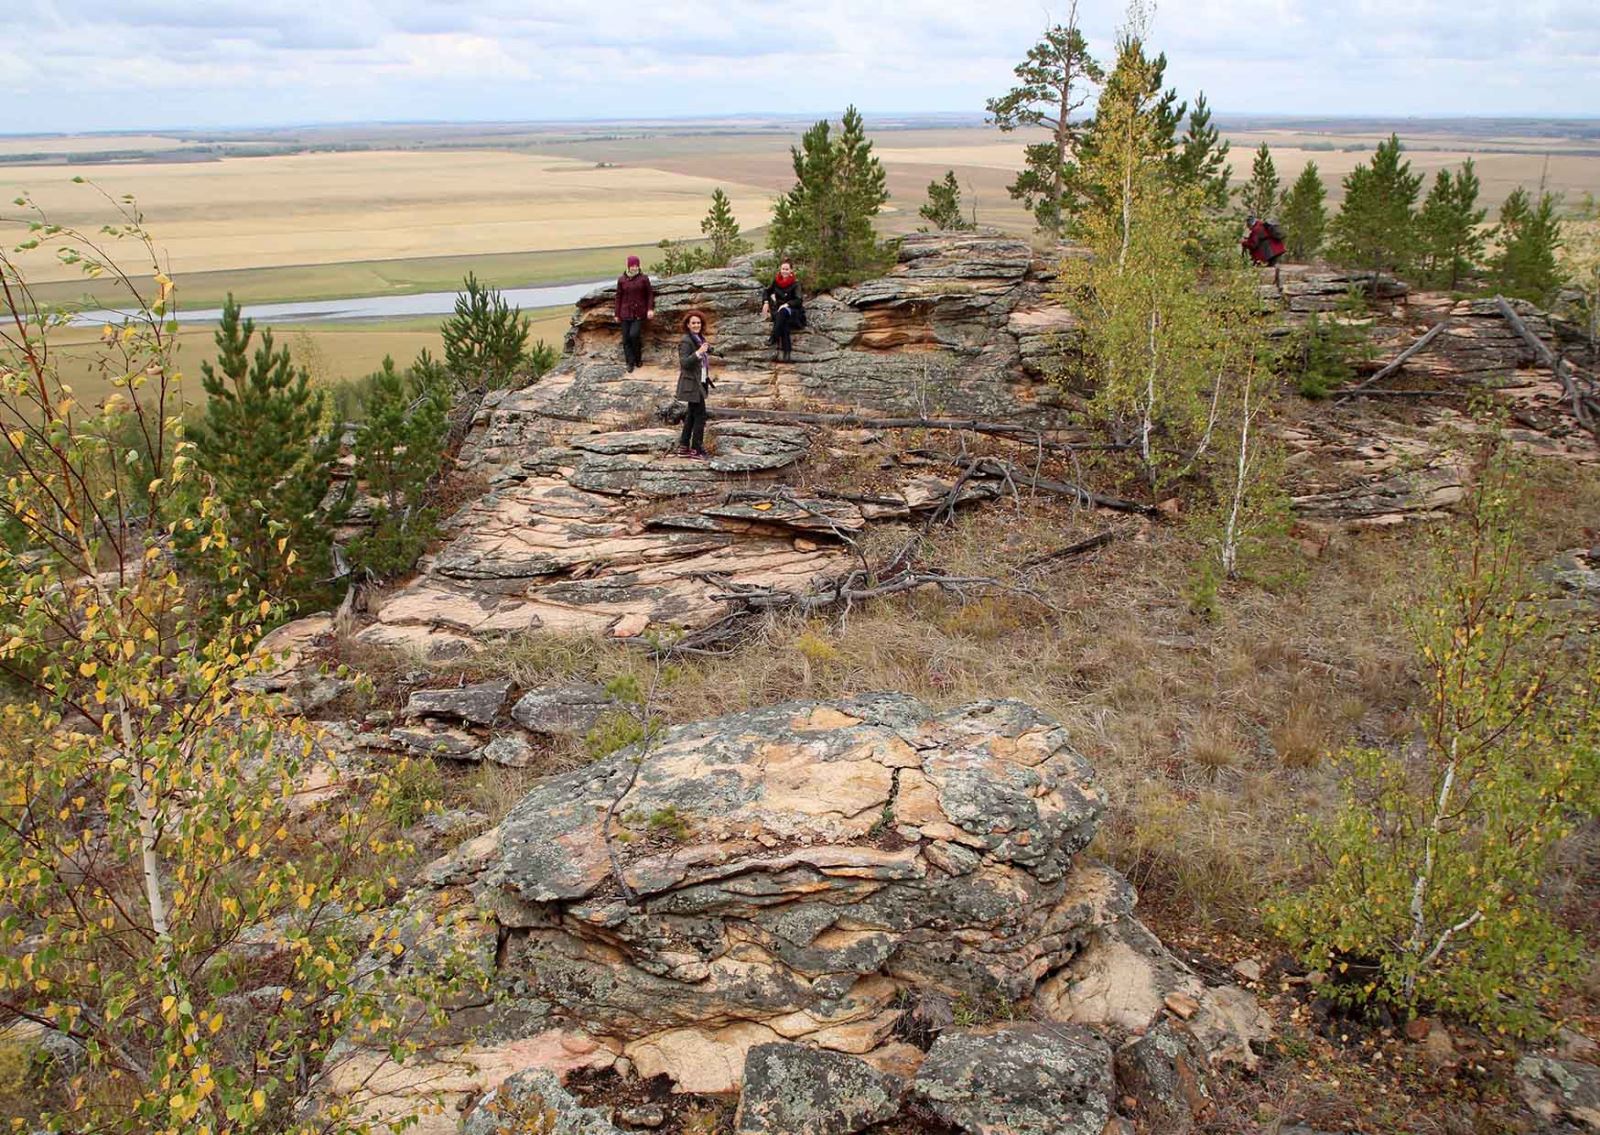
{"x": 636, "y": 302}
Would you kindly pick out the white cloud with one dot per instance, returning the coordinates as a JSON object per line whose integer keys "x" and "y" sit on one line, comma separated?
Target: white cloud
{"x": 122, "y": 64}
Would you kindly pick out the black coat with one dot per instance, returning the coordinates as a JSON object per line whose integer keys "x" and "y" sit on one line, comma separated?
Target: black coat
{"x": 775, "y": 297}
{"x": 690, "y": 388}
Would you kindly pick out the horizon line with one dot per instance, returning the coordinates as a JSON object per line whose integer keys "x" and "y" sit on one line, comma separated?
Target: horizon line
{"x": 1218, "y": 116}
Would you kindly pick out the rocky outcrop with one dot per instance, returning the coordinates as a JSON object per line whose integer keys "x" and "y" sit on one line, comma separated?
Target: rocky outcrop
{"x": 591, "y": 523}
{"x": 785, "y": 873}
{"x": 534, "y": 1103}
{"x": 1304, "y": 289}
{"x": 1168, "y": 1072}
{"x": 950, "y": 327}
{"x": 788, "y": 900}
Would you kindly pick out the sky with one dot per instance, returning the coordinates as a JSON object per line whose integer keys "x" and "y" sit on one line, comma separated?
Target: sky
{"x": 92, "y": 65}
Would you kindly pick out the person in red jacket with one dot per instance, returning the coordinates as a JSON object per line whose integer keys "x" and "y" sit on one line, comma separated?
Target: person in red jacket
{"x": 636, "y": 302}
{"x": 1262, "y": 242}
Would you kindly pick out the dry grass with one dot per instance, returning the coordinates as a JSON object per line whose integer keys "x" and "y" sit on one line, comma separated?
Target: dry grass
{"x": 1207, "y": 735}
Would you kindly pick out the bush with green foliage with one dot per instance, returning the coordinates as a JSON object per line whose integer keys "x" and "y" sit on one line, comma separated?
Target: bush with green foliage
{"x": 155, "y": 835}
{"x": 1151, "y": 331}
{"x": 1425, "y": 893}
{"x": 943, "y": 208}
{"x": 484, "y": 341}
{"x": 398, "y": 451}
{"x": 1319, "y": 356}
{"x": 824, "y": 223}
{"x": 263, "y": 439}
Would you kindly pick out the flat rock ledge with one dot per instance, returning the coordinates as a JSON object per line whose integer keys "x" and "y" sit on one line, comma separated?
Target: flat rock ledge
{"x": 811, "y": 878}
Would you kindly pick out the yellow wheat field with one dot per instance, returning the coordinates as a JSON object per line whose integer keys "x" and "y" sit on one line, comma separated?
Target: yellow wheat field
{"x": 338, "y": 207}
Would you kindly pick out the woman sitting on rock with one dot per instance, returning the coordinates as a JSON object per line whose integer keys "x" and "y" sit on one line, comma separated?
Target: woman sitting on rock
{"x": 636, "y": 302}
{"x": 694, "y": 380}
{"x": 781, "y": 303}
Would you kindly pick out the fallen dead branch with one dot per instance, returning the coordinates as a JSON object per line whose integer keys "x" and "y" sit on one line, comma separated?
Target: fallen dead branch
{"x": 1005, "y": 470}
{"x": 1098, "y": 540}
{"x": 1582, "y": 394}
{"x": 1399, "y": 361}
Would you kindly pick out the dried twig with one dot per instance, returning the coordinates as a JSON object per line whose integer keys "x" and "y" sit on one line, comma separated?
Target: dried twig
{"x": 1399, "y": 361}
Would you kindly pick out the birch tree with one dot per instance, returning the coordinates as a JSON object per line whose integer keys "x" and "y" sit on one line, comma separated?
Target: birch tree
{"x": 1425, "y": 888}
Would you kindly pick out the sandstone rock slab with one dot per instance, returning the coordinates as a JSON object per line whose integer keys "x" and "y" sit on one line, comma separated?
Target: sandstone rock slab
{"x": 477, "y": 704}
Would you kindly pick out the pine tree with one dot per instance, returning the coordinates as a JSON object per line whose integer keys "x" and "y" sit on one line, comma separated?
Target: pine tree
{"x": 1447, "y": 227}
{"x": 721, "y": 229}
{"x": 1203, "y": 159}
{"x": 824, "y": 224}
{"x": 263, "y": 442}
{"x": 1528, "y": 237}
{"x": 943, "y": 210}
{"x": 1055, "y": 81}
{"x": 1376, "y": 226}
{"x": 1303, "y": 216}
{"x": 485, "y": 339}
{"x": 398, "y": 450}
{"x": 1261, "y": 195}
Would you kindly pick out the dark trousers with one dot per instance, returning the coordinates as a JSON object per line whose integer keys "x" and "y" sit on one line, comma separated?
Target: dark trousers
{"x": 782, "y": 326}
{"x": 633, "y": 342}
{"x": 694, "y": 427}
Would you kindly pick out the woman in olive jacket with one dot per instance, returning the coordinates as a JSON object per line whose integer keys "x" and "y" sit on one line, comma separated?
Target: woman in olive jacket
{"x": 694, "y": 380}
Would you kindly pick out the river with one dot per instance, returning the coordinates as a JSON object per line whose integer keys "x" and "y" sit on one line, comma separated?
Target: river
{"x": 362, "y": 307}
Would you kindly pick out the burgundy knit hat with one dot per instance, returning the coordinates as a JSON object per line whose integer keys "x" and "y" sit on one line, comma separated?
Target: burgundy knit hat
{"x": 633, "y": 262}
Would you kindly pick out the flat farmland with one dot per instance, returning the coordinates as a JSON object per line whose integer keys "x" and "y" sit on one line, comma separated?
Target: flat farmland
{"x": 404, "y": 209}
{"x": 1571, "y": 174}
{"x": 322, "y": 208}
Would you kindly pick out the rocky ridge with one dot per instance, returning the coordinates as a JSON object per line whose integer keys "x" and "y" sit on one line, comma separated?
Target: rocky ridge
{"x": 590, "y": 523}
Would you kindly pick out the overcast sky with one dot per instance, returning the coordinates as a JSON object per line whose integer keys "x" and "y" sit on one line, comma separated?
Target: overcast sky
{"x": 76, "y": 65}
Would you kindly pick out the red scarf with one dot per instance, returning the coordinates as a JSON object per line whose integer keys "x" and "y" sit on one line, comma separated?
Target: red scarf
{"x": 784, "y": 281}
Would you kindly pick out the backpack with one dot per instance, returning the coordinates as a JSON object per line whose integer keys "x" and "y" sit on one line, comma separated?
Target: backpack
{"x": 1273, "y": 230}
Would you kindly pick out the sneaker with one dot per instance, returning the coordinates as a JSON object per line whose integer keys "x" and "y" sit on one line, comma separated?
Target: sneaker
{"x": 682, "y": 451}
{"x": 699, "y": 455}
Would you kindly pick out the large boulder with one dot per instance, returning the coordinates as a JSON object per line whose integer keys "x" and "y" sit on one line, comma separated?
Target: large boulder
{"x": 788, "y": 873}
